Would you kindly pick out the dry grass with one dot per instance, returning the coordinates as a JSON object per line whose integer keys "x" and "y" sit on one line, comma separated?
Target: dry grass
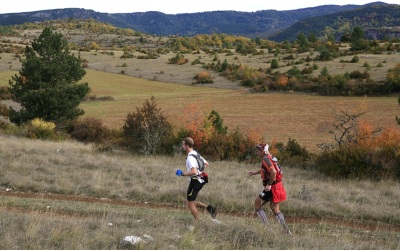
{"x": 160, "y": 70}
{"x": 136, "y": 194}
{"x": 280, "y": 116}
{"x": 92, "y": 189}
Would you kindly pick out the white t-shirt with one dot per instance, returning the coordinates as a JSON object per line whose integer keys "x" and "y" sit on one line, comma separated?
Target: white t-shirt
{"x": 191, "y": 162}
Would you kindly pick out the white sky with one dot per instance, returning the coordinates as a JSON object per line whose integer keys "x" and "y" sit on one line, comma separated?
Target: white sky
{"x": 172, "y": 6}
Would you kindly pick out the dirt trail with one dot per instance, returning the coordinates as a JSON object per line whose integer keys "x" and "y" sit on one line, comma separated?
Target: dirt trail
{"x": 289, "y": 219}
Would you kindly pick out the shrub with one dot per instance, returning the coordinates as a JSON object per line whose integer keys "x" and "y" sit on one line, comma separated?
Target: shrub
{"x": 39, "y": 129}
{"x": 196, "y": 61}
{"x": 235, "y": 146}
{"x": 88, "y": 130}
{"x": 203, "y": 77}
{"x": 358, "y": 75}
{"x": 127, "y": 55}
{"x": 355, "y": 161}
{"x": 147, "y": 129}
{"x": 374, "y": 157}
{"x": 85, "y": 63}
{"x": 274, "y": 64}
{"x": 366, "y": 65}
{"x": 178, "y": 59}
{"x": 355, "y": 59}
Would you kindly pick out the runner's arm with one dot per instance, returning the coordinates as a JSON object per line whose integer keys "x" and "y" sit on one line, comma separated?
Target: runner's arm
{"x": 254, "y": 172}
{"x": 193, "y": 171}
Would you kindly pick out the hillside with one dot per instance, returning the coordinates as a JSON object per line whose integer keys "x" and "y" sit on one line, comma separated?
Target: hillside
{"x": 378, "y": 21}
{"x": 126, "y": 57}
{"x": 55, "y": 193}
{"x": 264, "y": 23}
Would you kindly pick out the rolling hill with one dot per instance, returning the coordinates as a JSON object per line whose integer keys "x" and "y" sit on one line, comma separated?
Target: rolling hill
{"x": 271, "y": 24}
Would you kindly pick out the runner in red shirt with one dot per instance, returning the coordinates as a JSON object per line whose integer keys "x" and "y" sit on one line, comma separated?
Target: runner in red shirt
{"x": 273, "y": 191}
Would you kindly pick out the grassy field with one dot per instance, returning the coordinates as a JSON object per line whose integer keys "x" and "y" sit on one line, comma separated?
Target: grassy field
{"x": 53, "y": 194}
{"x": 280, "y": 116}
{"x": 69, "y": 196}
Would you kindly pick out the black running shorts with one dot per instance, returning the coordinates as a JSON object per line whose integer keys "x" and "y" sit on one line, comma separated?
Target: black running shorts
{"x": 193, "y": 189}
{"x": 266, "y": 195}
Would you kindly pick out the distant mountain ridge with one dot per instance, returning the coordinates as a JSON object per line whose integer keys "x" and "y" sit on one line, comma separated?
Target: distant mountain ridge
{"x": 271, "y": 24}
{"x": 377, "y": 20}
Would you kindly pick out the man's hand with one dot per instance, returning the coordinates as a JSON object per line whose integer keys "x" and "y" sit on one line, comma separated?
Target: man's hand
{"x": 179, "y": 172}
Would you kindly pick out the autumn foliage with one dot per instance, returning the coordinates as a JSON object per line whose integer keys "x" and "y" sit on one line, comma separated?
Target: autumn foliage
{"x": 194, "y": 122}
{"x": 214, "y": 140}
{"x": 372, "y": 156}
{"x": 203, "y": 77}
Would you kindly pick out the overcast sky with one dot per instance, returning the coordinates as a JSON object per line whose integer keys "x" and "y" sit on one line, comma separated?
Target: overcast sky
{"x": 172, "y": 6}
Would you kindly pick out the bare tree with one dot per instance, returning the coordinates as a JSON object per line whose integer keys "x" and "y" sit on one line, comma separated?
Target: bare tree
{"x": 346, "y": 128}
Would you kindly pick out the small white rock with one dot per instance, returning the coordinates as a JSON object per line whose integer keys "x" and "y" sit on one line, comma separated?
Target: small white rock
{"x": 132, "y": 239}
{"x": 148, "y": 237}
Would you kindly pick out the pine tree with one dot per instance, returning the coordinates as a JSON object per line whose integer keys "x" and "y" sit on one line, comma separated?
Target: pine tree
{"x": 47, "y": 85}
{"x": 358, "y": 42}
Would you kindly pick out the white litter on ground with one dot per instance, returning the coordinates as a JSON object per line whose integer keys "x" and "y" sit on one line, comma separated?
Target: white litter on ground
{"x": 132, "y": 239}
{"x": 216, "y": 221}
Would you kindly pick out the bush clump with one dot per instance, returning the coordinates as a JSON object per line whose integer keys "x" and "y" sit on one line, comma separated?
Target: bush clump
{"x": 375, "y": 158}
{"x": 40, "y": 129}
{"x": 203, "y": 77}
{"x": 89, "y": 130}
{"x": 147, "y": 130}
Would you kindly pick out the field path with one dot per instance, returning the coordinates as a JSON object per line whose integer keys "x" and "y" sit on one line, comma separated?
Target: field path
{"x": 290, "y": 219}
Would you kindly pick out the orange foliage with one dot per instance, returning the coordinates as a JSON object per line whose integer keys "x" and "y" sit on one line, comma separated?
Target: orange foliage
{"x": 255, "y": 135}
{"x": 194, "y": 120}
{"x": 365, "y": 133}
{"x": 389, "y": 137}
{"x": 282, "y": 80}
{"x": 203, "y": 74}
{"x": 273, "y": 150}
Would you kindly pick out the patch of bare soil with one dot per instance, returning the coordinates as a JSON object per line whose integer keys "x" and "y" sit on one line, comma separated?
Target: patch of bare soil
{"x": 290, "y": 219}
{"x": 9, "y": 103}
